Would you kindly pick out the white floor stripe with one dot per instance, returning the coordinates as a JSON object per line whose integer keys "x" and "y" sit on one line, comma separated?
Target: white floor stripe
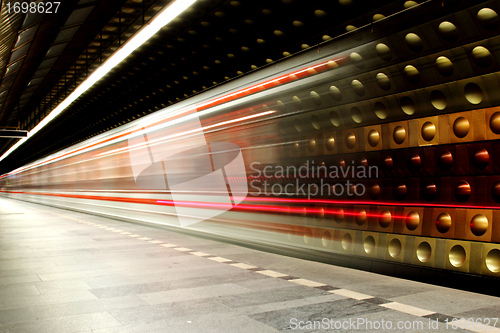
{"x": 219, "y": 259}
{"x": 168, "y": 245}
{"x": 144, "y": 238}
{"x": 307, "y": 283}
{"x": 156, "y": 241}
{"x": 407, "y": 309}
{"x": 272, "y": 273}
{"x": 350, "y": 294}
{"x": 244, "y": 266}
{"x": 200, "y": 254}
{"x": 134, "y": 235}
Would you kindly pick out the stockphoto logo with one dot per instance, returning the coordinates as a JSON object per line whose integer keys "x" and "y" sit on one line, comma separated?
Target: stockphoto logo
{"x": 179, "y": 159}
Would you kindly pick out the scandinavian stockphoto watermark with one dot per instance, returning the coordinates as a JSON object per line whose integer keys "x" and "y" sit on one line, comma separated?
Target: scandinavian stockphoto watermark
{"x": 310, "y": 180}
{"x": 354, "y": 324}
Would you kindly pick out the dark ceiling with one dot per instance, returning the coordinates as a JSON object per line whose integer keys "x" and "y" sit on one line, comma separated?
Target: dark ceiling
{"x": 214, "y": 41}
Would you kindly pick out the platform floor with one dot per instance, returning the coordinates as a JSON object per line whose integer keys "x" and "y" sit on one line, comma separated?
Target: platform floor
{"x": 62, "y": 271}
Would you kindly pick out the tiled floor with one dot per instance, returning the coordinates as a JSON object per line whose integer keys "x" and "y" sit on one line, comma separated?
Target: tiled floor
{"x": 62, "y": 271}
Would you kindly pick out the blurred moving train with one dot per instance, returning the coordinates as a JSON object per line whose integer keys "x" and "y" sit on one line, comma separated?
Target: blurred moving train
{"x": 378, "y": 149}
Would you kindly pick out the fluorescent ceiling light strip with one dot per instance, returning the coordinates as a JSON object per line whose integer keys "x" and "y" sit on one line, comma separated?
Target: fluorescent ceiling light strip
{"x": 163, "y": 18}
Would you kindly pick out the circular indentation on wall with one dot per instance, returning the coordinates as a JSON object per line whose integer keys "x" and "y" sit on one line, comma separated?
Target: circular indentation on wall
{"x": 394, "y": 248}
{"x": 473, "y": 93}
{"x": 414, "y": 42}
{"x": 311, "y": 145}
{"x": 301, "y": 211}
{"x": 358, "y": 87}
{"x": 444, "y": 66}
{"x": 438, "y": 100}
{"x": 297, "y": 102}
{"x": 346, "y": 2}
{"x": 448, "y": 31}
{"x": 361, "y": 217}
{"x": 388, "y": 162}
{"x": 461, "y": 127}
{"x": 493, "y": 261}
{"x": 298, "y": 125}
{"x": 409, "y": 4}
{"x": 385, "y": 219}
{"x": 383, "y": 81}
{"x": 330, "y": 143}
{"x": 331, "y": 63}
{"x": 424, "y": 252}
{"x": 316, "y": 123}
{"x": 338, "y": 215}
{"x": 369, "y": 244}
{"x": 320, "y": 13}
{"x": 457, "y": 255}
{"x": 412, "y": 220}
{"x": 495, "y": 191}
{"x": 380, "y": 110}
{"x": 357, "y": 60}
{"x": 495, "y": 123}
{"x": 378, "y": 17}
{"x": 320, "y": 212}
{"x": 315, "y": 97}
{"x": 374, "y": 191}
{"x": 407, "y": 105}
{"x": 443, "y": 222}
{"x": 383, "y": 51}
{"x": 480, "y": 158}
{"x": 346, "y": 241}
{"x": 334, "y": 118}
{"x": 445, "y": 161}
{"x": 400, "y": 191}
{"x": 308, "y": 237}
{"x": 430, "y": 191}
{"x": 350, "y": 27}
{"x": 479, "y": 225}
{"x": 326, "y": 239}
{"x": 399, "y": 134}
{"x": 415, "y": 162}
{"x": 412, "y": 74}
{"x": 488, "y": 19}
{"x": 463, "y": 191}
{"x": 373, "y": 138}
{"x": 428, "y": 131}
{"x": 336, "y": 94}
{"x": 280, "y": 106}
{"x": 350, "y": 140}
{"x": 482, "y": 57}
{"x": 356, "y": 115}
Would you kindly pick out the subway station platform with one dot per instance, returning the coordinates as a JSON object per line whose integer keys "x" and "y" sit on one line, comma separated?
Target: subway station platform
{"x": 63, "y": 271}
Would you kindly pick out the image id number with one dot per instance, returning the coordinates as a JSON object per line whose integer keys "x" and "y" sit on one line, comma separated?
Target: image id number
{"x": 33, "y": 7}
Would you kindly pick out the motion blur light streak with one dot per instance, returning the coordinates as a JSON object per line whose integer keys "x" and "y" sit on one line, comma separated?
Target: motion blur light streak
{"x": 164, "y": 139}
